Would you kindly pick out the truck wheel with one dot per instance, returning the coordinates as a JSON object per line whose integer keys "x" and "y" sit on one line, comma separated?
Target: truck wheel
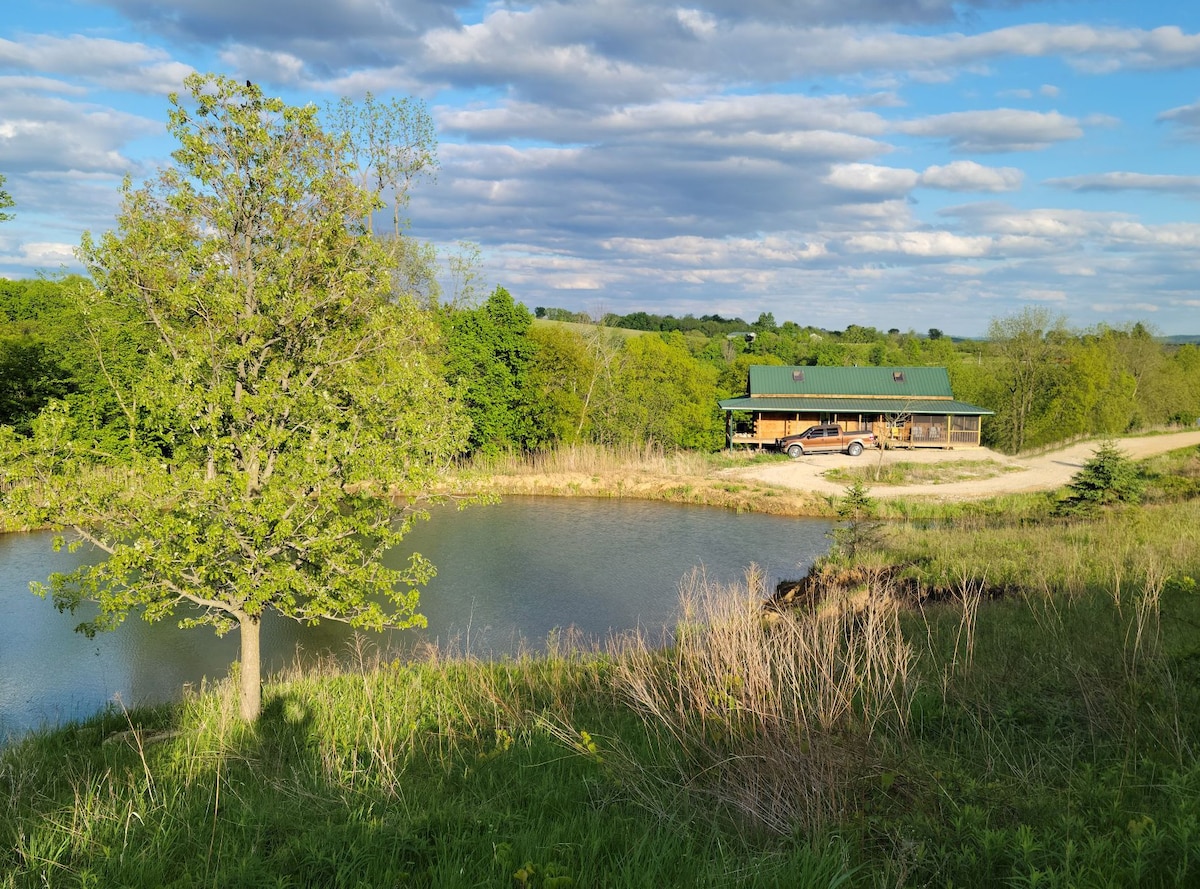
{"x": 855, "y": 449}
{"x": 795, "y": 451}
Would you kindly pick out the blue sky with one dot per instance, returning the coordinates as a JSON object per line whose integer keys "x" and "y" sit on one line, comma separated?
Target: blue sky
{"x": 895, "y": 163}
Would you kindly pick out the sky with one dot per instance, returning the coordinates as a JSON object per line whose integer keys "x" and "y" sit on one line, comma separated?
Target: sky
{"x": 907, "y": 164}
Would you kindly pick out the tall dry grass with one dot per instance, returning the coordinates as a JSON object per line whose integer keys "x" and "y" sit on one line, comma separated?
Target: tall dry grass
{"x": 594, "y": 459}
{"x": 770, "y": 719}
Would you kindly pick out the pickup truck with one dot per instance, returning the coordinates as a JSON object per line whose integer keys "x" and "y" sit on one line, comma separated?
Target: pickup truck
{"x": 826, "y": 439}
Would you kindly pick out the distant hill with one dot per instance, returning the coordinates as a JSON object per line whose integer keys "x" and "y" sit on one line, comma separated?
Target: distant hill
{"x": 1182, "y": 339}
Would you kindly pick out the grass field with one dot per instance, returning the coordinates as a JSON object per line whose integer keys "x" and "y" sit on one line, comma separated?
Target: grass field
{"x": 906, "y": 472}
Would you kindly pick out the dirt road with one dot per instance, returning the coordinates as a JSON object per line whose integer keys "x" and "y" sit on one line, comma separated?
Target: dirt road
{"x": 1040, "y": 473}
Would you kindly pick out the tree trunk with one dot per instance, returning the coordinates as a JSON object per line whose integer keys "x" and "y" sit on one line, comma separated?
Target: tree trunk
{"x": 250, "y": 674}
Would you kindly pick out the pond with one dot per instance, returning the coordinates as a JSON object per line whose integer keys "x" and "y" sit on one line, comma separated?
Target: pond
{"x": 509, "y": 575}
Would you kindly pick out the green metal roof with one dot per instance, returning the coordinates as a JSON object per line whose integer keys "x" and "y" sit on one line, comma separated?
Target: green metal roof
{"x": 802, "y": 405}
{"x": 888, "y": 382}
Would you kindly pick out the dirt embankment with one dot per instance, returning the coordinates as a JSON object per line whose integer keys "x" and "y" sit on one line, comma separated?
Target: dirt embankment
{"x": 1043, "y": 472}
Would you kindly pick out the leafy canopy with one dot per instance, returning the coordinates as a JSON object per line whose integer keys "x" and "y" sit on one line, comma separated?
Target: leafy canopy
{"x": 286, "y": 404}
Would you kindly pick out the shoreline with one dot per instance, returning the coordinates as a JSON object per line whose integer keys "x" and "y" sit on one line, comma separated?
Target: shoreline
{"x": 714, "y": 490}
{"x": 796, "y": 488}
{"x": 799, "y": 487}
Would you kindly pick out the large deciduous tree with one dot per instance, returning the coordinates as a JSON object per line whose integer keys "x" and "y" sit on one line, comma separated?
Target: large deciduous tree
{"x": 287, "y": 422}
{"x": 488, "y": 360}
{"x": 666, "y": 396}
{"x": 1030, "y": 346}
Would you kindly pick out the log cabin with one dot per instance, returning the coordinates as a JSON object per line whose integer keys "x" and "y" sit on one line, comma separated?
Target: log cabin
{"x": 910, "y": 407}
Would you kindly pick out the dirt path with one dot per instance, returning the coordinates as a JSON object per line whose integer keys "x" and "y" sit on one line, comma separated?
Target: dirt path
{"x": 1040, "y": 473}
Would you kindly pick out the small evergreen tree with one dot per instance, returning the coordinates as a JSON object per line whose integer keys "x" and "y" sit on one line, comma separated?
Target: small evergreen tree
{"x": 1110, "y": 476}
{"x": 859, "y": 529}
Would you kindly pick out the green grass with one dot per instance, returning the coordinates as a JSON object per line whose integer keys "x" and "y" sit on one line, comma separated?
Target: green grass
{"x": 1044, "y": 738}
{"x": 906, "y": 472}
{"x": 455, "y": 774}
{"x": 586, "y": 330}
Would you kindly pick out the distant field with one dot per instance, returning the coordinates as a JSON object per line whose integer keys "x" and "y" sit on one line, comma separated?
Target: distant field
{"x": 585, "y": 329}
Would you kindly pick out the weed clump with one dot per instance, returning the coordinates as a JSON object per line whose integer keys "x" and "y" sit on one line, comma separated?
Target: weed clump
{"x": 770, "y": 720}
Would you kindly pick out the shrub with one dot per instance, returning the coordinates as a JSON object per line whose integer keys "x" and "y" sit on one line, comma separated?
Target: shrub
{"x": 859, "y": 529}
{"x": 1110, "y": 476}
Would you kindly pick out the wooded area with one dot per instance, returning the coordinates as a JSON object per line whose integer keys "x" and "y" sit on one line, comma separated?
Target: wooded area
{"x": 527, "y": 383}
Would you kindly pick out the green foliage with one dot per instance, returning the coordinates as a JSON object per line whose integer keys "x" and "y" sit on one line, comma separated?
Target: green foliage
{"x": 30, "y": 377}
{"x": 859, "y": 530}
{"x": 286, "y": 396}
{"x": 488, "y": 357}
{"x": 1109, "y": 476}
{"x": 1030, "y": 374}
{"x": 559, "y": 374}
{"x": 48, "y": 343}
{"x": 659, "y": 393}
{"x": 734, "y": 378}
{"x": 6, "y": 202}
{"x": 390, "y": 144}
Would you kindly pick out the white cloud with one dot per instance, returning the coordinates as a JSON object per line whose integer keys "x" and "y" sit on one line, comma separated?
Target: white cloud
{"x": 1058, "y": 223}
{"x": 263, "y": 65}
{"x": 1045, "y": 296}
{"x": 112, "y": 64}
{"x": 869, "y": 179}
{"x": 1123, "y": 309}
{"x": 970, "y": 176}
{"x": 1119, "y": 181}
{"x": 786, "y": 121}
{"x": 932, "y": 244}
{"x": 1187, "y": 117}
{"x": 1173, "y": 236}
{"x": 998, "y": 130}
{"x": 31, "y": 84}
{"x": 40, "y": 133}
{"x": 46, "y": 255}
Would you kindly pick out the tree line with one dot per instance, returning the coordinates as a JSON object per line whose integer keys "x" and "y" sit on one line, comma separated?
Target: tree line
{"x": 527, "y": 383}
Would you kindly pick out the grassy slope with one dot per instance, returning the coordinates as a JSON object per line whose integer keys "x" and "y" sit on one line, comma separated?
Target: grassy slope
{"x": 1047, "y": 738}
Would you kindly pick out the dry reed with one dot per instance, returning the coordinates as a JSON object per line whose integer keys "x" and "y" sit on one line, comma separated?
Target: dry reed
{"x": 593, "y": 459}
{"x": 774, "y": 720}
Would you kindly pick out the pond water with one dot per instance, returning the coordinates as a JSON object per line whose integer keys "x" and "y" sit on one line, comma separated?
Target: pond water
{"x": 509, "y": 575}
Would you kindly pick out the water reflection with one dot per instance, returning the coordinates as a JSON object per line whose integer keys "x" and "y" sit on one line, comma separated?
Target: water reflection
{"x": 508, "y": 575}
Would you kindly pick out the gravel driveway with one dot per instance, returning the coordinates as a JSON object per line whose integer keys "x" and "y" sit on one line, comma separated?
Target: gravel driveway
{"x": 1038, "y": 473}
